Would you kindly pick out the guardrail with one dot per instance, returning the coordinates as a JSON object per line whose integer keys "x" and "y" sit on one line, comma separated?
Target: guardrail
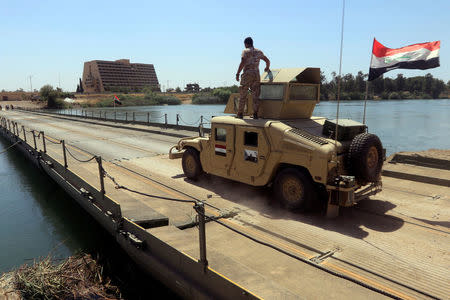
{"x": 140, "y": 118}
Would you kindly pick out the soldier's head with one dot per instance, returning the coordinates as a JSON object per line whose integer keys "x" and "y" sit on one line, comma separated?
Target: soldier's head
{"x": 248, "y": 42}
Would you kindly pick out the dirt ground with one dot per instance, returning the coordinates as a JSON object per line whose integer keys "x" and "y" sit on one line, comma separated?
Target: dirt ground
{"x": 24, "y": 103}
{"x": 431, "y": 153}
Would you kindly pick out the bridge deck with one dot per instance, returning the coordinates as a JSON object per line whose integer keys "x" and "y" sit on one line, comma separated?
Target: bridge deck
{"x": 398, "y": 241}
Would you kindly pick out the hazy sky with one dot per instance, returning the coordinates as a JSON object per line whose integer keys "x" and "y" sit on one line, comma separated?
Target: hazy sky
{"x": 201, "y": 41}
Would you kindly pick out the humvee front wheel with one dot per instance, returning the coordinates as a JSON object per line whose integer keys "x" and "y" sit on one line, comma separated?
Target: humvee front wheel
{"x": 294, "y": 189}
{"x": 192, "y": 166}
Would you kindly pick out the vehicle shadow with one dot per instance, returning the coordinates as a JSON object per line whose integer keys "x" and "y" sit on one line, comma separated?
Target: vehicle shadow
{"x": 352, "y": 221}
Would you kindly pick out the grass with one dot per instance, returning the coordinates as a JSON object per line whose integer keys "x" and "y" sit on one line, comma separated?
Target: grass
{"x": 78, "y": 277}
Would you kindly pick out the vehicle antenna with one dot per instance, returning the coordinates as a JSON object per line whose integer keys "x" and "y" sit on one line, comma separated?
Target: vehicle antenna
{"x": 339, "y": 78}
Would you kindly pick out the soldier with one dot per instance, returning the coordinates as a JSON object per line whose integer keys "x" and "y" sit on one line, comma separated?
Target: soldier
{"x": 250, "y": 77}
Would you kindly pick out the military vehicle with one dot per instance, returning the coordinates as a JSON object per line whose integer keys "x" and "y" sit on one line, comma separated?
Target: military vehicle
{"x": 305, "y": 158}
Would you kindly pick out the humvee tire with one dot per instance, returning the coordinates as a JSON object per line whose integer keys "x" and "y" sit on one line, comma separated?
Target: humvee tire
{"x": 294, "y": 189}
{"x": 365, "y": 157}
{"x": 192, "y": 166}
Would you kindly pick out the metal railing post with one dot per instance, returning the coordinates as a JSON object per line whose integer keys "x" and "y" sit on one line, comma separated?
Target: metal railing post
{"x": 200, "y": 208}
{"x": 165, "y": 119}
{"x": 101, "y": 175}
{"x": 24, "y": 134}
{"x": 115, "y": 116}
{"x": 64, "y": 153}
{"x": 134, "y": 117}
{"x": 43, "y": 141}
{"x": 34, "y": 140}
{"x": 178, "y": 118}
{"x": 92, "y": 114}
{"x": 126, "y": 116}
{"x": 148, "y": 117}
{"x": 201, "y": 119}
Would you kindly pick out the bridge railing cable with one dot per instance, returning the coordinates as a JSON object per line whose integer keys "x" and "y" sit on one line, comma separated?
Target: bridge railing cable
{"x": 78, "y": 159}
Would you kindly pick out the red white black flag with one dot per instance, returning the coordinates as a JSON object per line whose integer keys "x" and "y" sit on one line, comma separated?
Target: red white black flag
{"x": 418, "y": 56}
{"x": 117, "y": 100}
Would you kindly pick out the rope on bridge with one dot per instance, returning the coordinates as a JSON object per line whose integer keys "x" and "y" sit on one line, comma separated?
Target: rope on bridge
{"x": 80, "y": 160}
{"x": 190, "y": 124}
{"x": 158, "y": 117}
{"x": 118, "y": 187}
{"x": 51, "y": 141}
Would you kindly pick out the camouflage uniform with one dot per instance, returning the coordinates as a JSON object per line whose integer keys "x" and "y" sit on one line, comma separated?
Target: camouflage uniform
{"x": 250, "y": 78}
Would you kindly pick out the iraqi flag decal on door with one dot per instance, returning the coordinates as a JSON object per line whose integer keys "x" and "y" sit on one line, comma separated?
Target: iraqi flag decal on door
{"x": 221, "y": 150}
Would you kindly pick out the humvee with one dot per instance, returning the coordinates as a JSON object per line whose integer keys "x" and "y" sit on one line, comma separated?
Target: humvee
{"x": 305, "y": 158}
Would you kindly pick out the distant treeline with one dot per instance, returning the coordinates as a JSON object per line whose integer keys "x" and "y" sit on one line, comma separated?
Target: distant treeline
{"x": 353, "y": 87}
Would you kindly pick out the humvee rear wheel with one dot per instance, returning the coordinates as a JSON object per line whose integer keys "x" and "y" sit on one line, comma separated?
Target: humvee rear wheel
{"x": 192, "y": 166}
{"x": 294, "y": 189}
{"x": 365, "y": 157}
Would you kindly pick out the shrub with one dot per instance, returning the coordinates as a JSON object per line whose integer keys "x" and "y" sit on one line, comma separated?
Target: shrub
{"x": 222, "y": 94}
{"x": 160, "y": 99}
{"x": 169, "y": 100}
{"x": 394, "y": 95}
{"x": 405, "y": 95}
{"x": 206, "y": 99}
{"x": 48, "y": 94}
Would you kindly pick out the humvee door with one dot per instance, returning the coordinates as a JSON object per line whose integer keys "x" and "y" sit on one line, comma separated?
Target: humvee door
{"x": 221, "y": 149}
{"x": 252, "y": 151}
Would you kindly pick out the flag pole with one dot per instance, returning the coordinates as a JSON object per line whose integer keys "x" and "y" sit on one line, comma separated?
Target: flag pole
{"x": 367, "y": 86}
{"x": 340, "y": 72}
{"x": 365, "y": 101}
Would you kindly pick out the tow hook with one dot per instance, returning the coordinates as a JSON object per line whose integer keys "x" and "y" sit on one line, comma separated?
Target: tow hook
{"x": 344, "y": 181}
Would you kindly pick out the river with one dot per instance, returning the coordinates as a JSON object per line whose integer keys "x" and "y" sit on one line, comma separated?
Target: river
{"x": 38, "y": 218}
{"x": 402, "y": 125}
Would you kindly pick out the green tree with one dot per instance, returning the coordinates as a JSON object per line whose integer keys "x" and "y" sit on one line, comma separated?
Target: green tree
{"x": 360, "y": 82}
{"x": 400, "y": 83}
{"x": 48, "y": 94}
{"x": 437, "y": 87}
{"x": 428, "y": 84}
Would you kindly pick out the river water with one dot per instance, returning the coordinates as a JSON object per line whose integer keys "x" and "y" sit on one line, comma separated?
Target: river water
{"x": 402, "y": 125}
{"x": 38, "y": 218}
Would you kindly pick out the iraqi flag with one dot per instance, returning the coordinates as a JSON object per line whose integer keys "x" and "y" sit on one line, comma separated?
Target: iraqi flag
{"x": 117, "y": 100}
{"x": 418, "y": 56}
{"x": 220, "y": 149}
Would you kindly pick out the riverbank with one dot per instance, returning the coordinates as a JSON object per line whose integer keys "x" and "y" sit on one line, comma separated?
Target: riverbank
{"x": 106, "y": 100}
{"x": 78, "y": 277}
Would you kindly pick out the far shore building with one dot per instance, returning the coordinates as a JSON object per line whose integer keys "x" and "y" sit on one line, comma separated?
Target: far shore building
{"x": 104, "y": 76}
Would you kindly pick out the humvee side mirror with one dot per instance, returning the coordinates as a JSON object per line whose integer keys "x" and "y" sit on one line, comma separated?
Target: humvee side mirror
{"x": 201, "y": 132}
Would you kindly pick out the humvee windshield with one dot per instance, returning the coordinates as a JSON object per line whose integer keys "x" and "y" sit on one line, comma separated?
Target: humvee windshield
{"x": 303, "y": 92}
{"x": 272, "y": 92}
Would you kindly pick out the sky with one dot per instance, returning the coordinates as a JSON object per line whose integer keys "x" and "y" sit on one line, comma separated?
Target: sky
{"x": 201, "y": 41}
